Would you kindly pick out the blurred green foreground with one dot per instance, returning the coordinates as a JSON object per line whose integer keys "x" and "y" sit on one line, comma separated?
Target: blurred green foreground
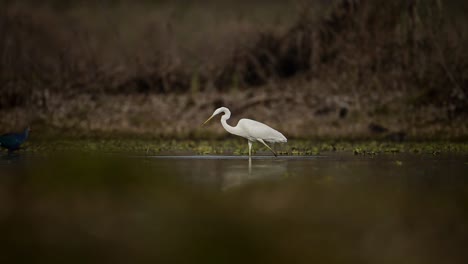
{"x": 337, "y": 208}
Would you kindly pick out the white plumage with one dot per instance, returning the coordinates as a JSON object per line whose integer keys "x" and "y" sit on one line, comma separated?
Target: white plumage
{"x": 252, "y": 130}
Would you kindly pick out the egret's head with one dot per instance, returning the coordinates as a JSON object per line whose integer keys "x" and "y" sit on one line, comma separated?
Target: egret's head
{"x": 216, "y": 112}
{"x": 220, "y": 110}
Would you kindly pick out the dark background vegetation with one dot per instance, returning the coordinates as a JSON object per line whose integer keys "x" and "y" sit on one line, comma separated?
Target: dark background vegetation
{"x": 337, "y": 69}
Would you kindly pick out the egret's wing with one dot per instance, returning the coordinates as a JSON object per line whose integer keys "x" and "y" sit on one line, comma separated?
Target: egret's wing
{"x": 256, "y": 130}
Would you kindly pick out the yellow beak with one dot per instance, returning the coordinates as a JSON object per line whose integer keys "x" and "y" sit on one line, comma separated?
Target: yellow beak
{"x": 207, "y": 120}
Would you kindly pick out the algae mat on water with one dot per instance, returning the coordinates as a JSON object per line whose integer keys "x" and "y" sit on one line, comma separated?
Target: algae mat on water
{"x": 238, "y": 147}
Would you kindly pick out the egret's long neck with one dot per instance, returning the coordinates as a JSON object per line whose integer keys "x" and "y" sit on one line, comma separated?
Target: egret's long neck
{"x": 230, "y": 129}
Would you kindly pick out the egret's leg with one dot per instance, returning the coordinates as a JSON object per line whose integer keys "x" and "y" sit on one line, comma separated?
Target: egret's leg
{"x": 263, "y": 142}
{"x": 250, "y": 148}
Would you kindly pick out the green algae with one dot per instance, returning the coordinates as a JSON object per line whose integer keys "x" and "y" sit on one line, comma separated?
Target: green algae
{"x": 239, "y": 147}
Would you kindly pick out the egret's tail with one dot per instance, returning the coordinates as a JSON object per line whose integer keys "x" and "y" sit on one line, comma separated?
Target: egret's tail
{"x": 279, "y": 138}
{"x": 283, "y": 140}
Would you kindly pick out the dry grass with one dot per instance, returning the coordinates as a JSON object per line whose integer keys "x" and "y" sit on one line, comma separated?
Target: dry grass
{"x": 296, "y": 110}
{"x": 342, "y": 70}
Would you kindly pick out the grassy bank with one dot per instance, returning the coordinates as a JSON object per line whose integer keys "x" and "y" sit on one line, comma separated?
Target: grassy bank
{"x": 297, "y": 112}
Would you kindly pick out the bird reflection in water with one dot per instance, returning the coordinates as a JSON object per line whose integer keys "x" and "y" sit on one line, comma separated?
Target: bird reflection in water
{"x": 9, "y": 158}
{"x": 258, "y": 170}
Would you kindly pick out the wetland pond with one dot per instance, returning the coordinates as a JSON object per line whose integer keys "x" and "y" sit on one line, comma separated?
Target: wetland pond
{"x": 327, "y": 208}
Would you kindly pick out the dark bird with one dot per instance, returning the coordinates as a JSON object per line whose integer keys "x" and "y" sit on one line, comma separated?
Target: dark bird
{"x": 13, "y": 141}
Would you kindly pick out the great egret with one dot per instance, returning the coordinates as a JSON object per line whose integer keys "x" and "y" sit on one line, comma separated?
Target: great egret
{"x": 249, "y": 129}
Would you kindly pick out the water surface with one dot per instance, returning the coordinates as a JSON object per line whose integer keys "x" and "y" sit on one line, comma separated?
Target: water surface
{"x": 332, "y": 208}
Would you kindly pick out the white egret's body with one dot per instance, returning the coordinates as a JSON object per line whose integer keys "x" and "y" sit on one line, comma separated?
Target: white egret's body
{"x": 252, "y": 130}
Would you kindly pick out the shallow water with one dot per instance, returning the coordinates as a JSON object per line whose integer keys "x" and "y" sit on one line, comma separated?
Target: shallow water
{"x": 333, "y": 208}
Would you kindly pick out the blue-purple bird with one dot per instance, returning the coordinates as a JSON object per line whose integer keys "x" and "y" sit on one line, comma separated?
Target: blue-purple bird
{"x": 13, "y": 141}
